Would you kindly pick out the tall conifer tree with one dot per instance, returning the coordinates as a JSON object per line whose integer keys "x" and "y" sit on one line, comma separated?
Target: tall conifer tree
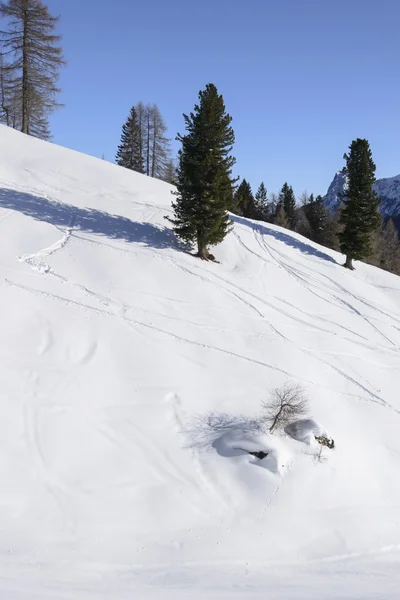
{"x": 205, "y": 174}
{"x": 359, "y": 215}
{"x": 261, "y": 202}
{"x": 287, "y": 201}
{"x": 129, "y": 154}
{"x": 244, "y": 201}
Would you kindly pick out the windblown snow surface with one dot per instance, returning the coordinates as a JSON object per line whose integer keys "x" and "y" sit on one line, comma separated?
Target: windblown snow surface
{"x": 131, "y": 376}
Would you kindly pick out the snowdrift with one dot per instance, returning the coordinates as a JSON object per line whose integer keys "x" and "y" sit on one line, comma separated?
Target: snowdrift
{"x": 117, "y": 347}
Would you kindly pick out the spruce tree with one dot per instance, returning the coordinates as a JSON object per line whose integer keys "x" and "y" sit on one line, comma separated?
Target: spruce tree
{"x": 287, "y": 201}
{"x": 359, "y": 215}
{"x": 317, "y": 217}
{"x": 261, "y": 203}
{"x": 35, "y": 58}
{"x": 244, "y": 201}
{"x": 129, "y": 154}
{"x": 205, "y": 174}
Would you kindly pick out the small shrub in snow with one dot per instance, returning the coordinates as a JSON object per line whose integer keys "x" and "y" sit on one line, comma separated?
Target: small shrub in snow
{"x": 285, "y": 405}
{"x": 308, "y": 430}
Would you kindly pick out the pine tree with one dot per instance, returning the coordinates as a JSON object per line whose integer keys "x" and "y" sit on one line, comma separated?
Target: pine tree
{"x": 35, "y": 60}
{"x": 360, "y": 215}
{"x": 317, "y": 217}
{"x": 287, "y": 200}
{"x": 244, "y": 201}
{"x": 205, "y": 174}
{"x": 261, "y": 203}
{"x": 129, "y": 154}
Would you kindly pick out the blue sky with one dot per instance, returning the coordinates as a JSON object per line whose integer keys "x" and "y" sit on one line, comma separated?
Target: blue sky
{"x": 301, "y": 78}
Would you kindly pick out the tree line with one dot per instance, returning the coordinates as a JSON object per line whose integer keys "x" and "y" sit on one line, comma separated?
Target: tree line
{"x": 207, "y": 192}
{"x": 356, "y": 229}
{"x": 144, "y": 145}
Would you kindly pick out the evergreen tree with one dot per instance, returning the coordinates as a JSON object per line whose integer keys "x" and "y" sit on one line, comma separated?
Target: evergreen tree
{"x": 205, "y": 174}
{"x": 35, "y": 59}
{"x": 261, "y": 203}
{"x": 317, "y": 217}
{"x": 129, "y": 154}
{"x": 244, "y": 201}
{"x": 360, "y": 211}
{"x": 287, "y": 201}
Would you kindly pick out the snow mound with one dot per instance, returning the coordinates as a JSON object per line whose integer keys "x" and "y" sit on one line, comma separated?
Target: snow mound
{"x": 306, "y": 430}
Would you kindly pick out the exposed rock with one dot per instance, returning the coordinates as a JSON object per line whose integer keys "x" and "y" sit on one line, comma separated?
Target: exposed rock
{"x": 388, "y": 189}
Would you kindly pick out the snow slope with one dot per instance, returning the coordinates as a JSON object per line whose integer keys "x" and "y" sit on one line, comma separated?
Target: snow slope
{"x": 131, "y": 374}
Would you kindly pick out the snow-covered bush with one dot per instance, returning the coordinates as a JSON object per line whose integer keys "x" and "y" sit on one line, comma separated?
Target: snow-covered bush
{"x": 309, "y": 431}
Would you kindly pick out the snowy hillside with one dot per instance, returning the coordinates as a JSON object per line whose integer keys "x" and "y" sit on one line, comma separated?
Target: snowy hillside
{"x": 388, "y": 189}
{"x": 131, "y": 374}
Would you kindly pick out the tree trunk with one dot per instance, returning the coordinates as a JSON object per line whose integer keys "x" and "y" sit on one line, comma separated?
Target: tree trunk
{"x": 148, "y": 143}
{"x": 349, "y": 263}
{"x": 202, "y": 251}
{"x": 25, "y": 119}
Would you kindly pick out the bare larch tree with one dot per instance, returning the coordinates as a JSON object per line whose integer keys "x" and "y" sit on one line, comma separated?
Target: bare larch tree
{"x": 154, "y": 145}
{"x": 34, "y": 57}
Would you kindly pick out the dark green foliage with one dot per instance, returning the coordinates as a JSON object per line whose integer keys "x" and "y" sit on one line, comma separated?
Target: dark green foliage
{"x": 317, "y": 217}
{"x": 244, "y": 201}
{"x": 130, "y": 150}
{"x": 359, "y": 215}
{"x": 205, "y": 174}
{"x": 261, "y": 203}
{"x": 287, "y": 201}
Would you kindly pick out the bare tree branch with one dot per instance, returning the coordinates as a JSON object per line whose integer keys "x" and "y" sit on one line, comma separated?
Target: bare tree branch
{"x": 285, "y": 405}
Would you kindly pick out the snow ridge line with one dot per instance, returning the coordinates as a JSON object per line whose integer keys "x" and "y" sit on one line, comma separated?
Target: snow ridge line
{"x": 36, "y": 260}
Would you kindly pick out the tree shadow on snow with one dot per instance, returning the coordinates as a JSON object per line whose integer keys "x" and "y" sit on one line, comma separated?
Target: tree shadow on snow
{"x": 88, "y": 220}
{"x": 205, "y": 431}
{"x": 283, "y": 237}
{"x": 231, "y": 436}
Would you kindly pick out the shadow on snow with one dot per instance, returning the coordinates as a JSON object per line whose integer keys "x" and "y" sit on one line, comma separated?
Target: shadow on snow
{"x": 283, "y": 237}
{"x": 88, "y": 220}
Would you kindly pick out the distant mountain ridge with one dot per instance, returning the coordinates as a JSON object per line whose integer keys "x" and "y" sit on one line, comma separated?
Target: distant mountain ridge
{"x": 387, "y": 188}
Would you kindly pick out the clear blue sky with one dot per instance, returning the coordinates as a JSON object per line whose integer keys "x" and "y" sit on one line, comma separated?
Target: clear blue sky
{"x": 301, "y": 78}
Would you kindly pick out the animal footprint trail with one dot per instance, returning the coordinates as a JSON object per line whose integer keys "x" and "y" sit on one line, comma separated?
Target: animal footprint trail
{"x": 36, "y": 261}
